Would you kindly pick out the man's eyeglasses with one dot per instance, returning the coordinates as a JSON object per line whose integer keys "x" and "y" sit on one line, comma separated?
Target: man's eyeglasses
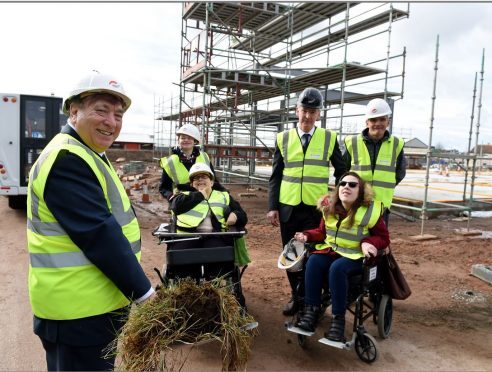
{"x": 199, "y": 177}
{"x": 352, "y": 185}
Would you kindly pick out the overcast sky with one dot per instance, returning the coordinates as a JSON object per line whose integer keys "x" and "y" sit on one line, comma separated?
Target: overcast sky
{"x": 47, "y": 47}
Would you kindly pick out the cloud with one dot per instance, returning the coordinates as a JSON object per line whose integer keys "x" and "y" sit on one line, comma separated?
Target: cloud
{"x": 464, "y": 30}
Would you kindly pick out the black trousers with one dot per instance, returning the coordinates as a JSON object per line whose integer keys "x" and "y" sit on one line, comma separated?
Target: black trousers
{"x": 386, "y": 216}
{"x": 302, "y": 217}
{"x": 62, "y": 357}
{"x": 80, "y": 344}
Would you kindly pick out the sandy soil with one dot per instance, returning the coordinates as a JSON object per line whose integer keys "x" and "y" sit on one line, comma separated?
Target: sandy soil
{"x": 445, "y": 325}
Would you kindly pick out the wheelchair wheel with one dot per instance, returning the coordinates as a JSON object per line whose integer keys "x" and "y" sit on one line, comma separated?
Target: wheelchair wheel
{"x": 366, "y": 348}
{"x": 385, "y": 316}
{"x": 301, "y": 340}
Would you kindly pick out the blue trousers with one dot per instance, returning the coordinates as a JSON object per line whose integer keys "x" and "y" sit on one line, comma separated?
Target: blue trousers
{"x": 323, "y": 268}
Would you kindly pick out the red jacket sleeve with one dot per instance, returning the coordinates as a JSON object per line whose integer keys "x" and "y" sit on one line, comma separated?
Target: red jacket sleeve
{"x": 318, "y": 234}
{"x": 379, "y": 235}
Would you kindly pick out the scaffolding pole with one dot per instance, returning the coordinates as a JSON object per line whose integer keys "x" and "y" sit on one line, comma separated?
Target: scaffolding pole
{"x": 431, "y": 126}
{"x": 474, "y": 161}
{"x": 470, "y": 134}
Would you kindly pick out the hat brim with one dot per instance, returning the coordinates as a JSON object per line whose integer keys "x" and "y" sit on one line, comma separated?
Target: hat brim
{"x": 211, "y": 176}
{"x": 125, "y": 99}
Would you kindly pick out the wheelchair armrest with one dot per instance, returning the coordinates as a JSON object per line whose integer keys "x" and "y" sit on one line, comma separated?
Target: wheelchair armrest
{"x": 374, "y": 260}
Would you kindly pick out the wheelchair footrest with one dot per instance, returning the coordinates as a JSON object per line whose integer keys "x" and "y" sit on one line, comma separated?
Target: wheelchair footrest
{"x": 337, "y": 344}
{"x": 292, "y": 328}
{"x": 199, "y": 256}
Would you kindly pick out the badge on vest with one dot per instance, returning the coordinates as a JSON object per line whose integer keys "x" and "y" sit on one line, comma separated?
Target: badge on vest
{"x": 384, "y": 161}
{"x": 315, "y": 152}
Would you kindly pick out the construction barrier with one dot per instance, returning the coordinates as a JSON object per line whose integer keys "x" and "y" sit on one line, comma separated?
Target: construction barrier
{"x": 145, "y": 193}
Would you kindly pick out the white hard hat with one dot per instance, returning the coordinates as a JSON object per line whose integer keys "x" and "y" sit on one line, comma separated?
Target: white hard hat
{"x": 189, "y": 130}
{"x": 200, "y": 168}
{"x": 292, "y": 257}
{"x": 376, "y": 108}
{"x": 97, "y": 83}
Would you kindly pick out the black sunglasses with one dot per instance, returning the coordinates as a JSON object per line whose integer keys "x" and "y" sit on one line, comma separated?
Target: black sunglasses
{"x": 352, "y": 185}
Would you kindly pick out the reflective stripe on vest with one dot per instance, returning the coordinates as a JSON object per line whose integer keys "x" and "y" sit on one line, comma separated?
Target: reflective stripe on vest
{"x": 217, "y": 203}
{"x": 305, "y": 176}
{"x": 383, "y": 179}
{"x": 346, "y": 241}
{"x": 55, "y": 261}
{"x": 177, "y": 171}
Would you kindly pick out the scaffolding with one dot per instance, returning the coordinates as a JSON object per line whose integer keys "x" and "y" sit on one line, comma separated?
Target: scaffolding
{"x": 244, "y": 64}
{"x": 469, "y": 202}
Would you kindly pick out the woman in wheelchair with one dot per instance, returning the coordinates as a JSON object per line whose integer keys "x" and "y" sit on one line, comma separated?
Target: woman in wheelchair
{"x": 351, "y": 228}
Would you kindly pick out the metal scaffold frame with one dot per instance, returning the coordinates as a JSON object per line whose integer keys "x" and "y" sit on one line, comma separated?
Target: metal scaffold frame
{"x": 243, "y": 65}
{"x": 469, "y": 204}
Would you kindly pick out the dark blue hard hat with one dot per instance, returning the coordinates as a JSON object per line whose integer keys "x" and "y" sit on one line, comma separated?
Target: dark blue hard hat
{"x": 310, "y": 98}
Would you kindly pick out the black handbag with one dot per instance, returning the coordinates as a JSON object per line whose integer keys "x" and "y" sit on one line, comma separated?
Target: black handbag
{"x": 394, "y": 281}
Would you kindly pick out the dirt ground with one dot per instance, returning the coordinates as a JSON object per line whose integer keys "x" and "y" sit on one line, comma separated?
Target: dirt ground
{"x": 445, "y": 325}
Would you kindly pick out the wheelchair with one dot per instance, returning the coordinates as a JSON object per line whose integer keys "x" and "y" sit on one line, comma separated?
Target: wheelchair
{"x": 366, "y": 299}
{"x": 199, "y": 262}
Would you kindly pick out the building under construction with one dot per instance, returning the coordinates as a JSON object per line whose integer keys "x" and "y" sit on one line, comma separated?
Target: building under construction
{"x": 244, "y": 64}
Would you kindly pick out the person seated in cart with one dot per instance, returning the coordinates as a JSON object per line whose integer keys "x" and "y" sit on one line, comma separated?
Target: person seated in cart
{"x": 351, "y": 228}
{"x": 206, "y": 210}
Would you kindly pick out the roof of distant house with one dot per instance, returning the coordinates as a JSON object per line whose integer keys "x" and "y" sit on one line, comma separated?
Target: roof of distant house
{"x": 483, "y": 149}
{"x": 415, "y": 143}
{"x": 135, "y": 138}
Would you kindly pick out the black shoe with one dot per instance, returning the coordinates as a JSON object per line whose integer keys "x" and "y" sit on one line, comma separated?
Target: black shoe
{"x": 337, "y": 329}
{"x": 291, "y": 307}
{"x": 309, "y": 318}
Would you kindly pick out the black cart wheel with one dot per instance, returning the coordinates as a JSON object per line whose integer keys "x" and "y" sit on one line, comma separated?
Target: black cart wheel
{"x": 301, "y": 340}
{"x": 385, "y": 316}
{"x": 366, "y": 348}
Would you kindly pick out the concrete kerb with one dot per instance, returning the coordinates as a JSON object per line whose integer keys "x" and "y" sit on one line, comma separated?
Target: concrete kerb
{"x": 483, "y": 272}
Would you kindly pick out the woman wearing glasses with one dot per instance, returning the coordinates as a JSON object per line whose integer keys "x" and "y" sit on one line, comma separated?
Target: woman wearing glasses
{"x": 351, "y": 228}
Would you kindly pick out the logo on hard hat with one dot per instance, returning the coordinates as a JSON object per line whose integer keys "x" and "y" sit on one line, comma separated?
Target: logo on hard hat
{"x": 114, "y": 84}
{"x": 374, "y": 110}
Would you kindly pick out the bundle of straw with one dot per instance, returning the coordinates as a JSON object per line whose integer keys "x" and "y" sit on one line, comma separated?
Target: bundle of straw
{"x": 185, "y": 312}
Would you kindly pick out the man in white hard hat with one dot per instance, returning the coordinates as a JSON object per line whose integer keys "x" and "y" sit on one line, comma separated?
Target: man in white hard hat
{"x": 176, "y": 167}
{"x": 300, "y": 176}
{"x": 83, "y": 236}
{"x": 376, "y": 155}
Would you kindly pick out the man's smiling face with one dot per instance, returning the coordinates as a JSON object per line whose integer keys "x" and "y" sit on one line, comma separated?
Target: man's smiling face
{"x": 97, "y": 120}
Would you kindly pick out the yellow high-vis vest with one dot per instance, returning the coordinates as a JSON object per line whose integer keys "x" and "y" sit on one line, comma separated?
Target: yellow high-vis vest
{"x": 63, "y": 283}
{"x": 305, "y": 176}
{"x": 383, "y": 179}
{"x": 346, "y": 241}
{"x": 177, "y": 171}
{"x": 217, "y": 203}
